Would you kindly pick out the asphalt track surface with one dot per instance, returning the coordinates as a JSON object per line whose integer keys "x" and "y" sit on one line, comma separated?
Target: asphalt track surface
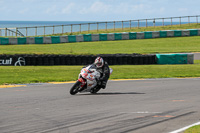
{"x": 135, "y": 106}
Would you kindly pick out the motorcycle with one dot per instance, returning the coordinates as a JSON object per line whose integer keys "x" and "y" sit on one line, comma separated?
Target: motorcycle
{"x": 88, "y": 81}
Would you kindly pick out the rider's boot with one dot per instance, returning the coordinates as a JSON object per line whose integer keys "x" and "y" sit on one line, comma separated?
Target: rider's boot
{"x": 103, "y": 84}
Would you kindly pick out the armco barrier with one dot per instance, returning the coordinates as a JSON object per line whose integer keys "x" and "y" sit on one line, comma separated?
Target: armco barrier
{"x": 87, "y": 37}
{"x": 49, "y": 60}
{"x": 133, "y": 35}
{"x": 22, "y": 40}
{"x": 155, "y": 34}
{"x": 100, "y": 37}
{"x": 193, "y": 32}
{"x": 180, "y": 58}
{"x": 38, "y": 40}
{"x": 163, "y": 34}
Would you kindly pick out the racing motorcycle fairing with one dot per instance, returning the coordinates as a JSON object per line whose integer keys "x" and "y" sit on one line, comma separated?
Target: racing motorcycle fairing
{"x": 88, "y": 77}
{"x": 88, "y": 81}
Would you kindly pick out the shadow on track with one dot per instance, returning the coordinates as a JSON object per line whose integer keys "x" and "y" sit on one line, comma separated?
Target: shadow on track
{"x": 114, "y": 93}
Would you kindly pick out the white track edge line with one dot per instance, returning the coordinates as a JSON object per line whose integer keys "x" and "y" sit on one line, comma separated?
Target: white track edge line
{"x": 184, "y": 128}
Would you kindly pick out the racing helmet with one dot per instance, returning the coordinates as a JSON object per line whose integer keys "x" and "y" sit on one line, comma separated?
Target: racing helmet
{"x": 99, "y": 62}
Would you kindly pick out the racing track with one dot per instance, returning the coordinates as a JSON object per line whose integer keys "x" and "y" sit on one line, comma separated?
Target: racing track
{"x": 138, "y": 106}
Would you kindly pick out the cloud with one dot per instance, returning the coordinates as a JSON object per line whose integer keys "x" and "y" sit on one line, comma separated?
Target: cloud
{"x": 183, "y": 9}
{"x": 121, "y": 8}
{"x": 5, "y": 10}
{"x": 68, "y": 9}
{"x": 52, "y": 10}
{"x": 96, "y": 7}
{"x": 23, "y": 11}
{"x": 26, "y": 1}
{"x": 99, "y": 7}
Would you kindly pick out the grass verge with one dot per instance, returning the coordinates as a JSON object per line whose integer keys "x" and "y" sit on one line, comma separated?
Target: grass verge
{"x": 144, "y": 46}
{"x": 195, "y": 129}
{"x": 38, "y": 74}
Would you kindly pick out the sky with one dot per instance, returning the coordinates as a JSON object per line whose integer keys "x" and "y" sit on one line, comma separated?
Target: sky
{"x": 95, "y": 10}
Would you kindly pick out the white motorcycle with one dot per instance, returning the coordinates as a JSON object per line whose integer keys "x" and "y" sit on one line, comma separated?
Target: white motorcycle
{"x": 88, "y": 81}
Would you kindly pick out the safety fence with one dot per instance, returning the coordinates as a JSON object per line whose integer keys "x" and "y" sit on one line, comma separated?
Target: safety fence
{"x": 49, "y": 60}
{"x": 178, "y": 58}
{"x": 112, "y": 59}
{"x": 100, "y": 37}
{"x": 97, "y": 26}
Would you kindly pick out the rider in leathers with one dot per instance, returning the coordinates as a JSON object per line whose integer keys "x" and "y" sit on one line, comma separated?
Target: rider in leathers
{"x": 103, "y": 68}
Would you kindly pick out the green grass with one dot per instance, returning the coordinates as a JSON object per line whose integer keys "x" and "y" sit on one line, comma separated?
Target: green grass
{"x": 144, "y": 46}
{"x": 37, "y": 74}
{"x": 195, "y": 129}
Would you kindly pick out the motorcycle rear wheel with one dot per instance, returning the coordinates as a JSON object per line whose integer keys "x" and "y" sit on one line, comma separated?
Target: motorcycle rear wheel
{"x": 75, "y": 88}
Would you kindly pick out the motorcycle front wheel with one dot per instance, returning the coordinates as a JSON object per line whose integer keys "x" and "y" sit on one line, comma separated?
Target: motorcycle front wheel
{"x": 75, "y": 88}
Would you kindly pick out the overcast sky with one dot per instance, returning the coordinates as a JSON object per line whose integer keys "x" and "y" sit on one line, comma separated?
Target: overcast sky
{"x": 95, "y": 10}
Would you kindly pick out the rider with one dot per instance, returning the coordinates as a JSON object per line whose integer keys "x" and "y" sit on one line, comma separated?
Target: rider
{"x": 103, "y": 68}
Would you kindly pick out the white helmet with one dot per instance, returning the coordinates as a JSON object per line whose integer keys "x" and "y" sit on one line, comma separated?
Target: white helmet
{"x": 99, "y": 62}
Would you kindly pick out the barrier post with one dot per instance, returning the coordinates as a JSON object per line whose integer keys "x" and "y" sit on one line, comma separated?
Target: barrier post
{"x": 146, "y": 23}
{"x": 62, "y": 29}
{"x": 88, "y": 27}
{"x": 35, "y": 31}
{"x": 16, "y": 31}
{"x": 122, "y": 25}
{"x": 97, "y": 26}
{"x": 26, "y": 31}
{"x": 71, "y": 28}
{"x": 163, "y": 22}
{"x": 53, "y": 29}
{"x": 189, "y": 20}
{"x": 114, "y": 25}
{"x": 44, "y": 30}
{"x": 171, "y": 21}
{"x": 80, "y": 28}
{"x": 6, "y": 32}
{"x": 106, "y": 26}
